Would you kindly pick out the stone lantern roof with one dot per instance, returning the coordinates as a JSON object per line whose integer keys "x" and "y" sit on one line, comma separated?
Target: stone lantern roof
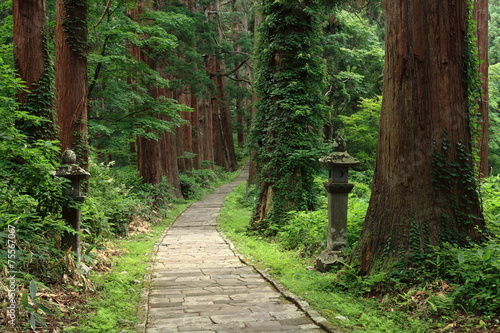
{"x": 69, "y": 169}
{"x": 338, "y": 159}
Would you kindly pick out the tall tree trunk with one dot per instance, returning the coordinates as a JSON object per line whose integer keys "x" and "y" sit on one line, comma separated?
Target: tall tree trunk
{"x": 481, "y": 18}
{"x": 286, "y": 128}
{"x": 149, "y": 161}
{"x": 196, "y": 132}
{"x": 187, "y": 132}
{"x": 225, "y": 155}
{"x": 33, "y": 67}
{"x": 224, "y": 117}
{"x": 424, "y": 189}
{"x": 252, "y": 170}
{"x": 170, "y": 167}
{"x": 71, "y": 76}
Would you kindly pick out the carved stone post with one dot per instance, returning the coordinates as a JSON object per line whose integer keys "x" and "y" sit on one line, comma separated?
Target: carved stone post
{"x": 72, "y": 192}
{"x": 338, "y": 189}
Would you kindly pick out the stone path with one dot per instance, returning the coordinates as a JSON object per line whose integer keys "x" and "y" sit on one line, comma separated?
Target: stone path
{"x": 199, "y": 285}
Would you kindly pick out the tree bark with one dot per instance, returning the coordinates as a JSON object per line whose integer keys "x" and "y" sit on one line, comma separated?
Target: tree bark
{"x": 29, "y": 49}
{"x": 225, "y": 155}
{"x": 71, "y": 76}
{"x": 33, "y": 68}
{"x": 481, "y": 18}
{"x": 149, "y": 156}
{"x": 424, "y": 189}
{"x": 224, "y": 117}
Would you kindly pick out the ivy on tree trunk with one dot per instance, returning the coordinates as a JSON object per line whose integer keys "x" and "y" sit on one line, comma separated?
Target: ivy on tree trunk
{"x": 286, "y": 129}
{"x": 33, "y": 68}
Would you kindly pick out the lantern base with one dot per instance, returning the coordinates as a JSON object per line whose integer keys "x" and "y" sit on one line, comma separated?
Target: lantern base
{"x": 329, "y": 259}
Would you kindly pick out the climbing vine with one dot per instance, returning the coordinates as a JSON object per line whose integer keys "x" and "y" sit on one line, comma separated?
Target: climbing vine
{"x": 473, "y": 81}
{"x": 448, "y": 176}
{"x": 75, "y": 25}
{"x": 40, "y": 103}
{"x": 286, "y": 130}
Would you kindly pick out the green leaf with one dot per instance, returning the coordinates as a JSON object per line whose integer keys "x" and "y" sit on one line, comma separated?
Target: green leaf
{"x": 43, "y": 308}
{"x": 32, "y": 321}
{"x": 487, "y": 255}
{"x": 33, "y": 289}
{"x": 460, "y": 257}
{"x": 24, "y": 300}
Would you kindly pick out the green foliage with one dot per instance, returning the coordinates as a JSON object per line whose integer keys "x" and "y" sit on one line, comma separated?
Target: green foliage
{"x": 456, "y": 177}
{"x": 360, "y": 131}
{"x": 8, "y": 88}
{"x": 193, "y": 182}
{"x": 490, "y": 192}
{"x": 31, "y": 305}
{"x": 494, "y": 118}
{"x": 354, "y": 55}
{"x": 116, "y": 198}
{"x": 6, "y": 46}
{"x": 29, "y": 194}
{"x": 306, "y": 231}
{"x": 289, "y": 81}
{"x": 75, "y": 25}
{"x": 473, "y": 274}
{"x": 494, "y": 31}
{"x": 121, "y": 103}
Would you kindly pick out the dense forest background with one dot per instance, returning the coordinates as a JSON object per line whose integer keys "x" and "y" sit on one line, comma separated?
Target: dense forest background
{"x": 169, "y": 90}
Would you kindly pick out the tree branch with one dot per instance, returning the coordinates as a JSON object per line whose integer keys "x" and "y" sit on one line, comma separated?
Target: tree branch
{"x": 103, "y": 14}
{"x": 231, "y": 72}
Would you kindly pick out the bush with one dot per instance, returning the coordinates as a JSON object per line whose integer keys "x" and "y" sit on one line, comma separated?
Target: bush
{"x": 473, "y": 273}
{"x": 116, "y": 197}
{"x": 306, "y": 231}
{"x": 194, "y": 180}
{"x": 490, "y": 191}
{"x": 30, "y": 198}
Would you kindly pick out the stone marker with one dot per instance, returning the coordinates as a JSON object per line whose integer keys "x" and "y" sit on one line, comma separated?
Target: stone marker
{"x": 72, "y": 192}
{"x": 338, "y": 188}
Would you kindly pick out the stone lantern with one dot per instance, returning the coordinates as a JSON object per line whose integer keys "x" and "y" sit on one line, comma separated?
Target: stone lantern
{"x": 72, "y": 191}
{"x": 338, "y": 188}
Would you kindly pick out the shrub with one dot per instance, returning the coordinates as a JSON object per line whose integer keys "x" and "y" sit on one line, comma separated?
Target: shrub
{"x": 473, "y": 273}
{"x": 194, "y": 180}
{"x": 306, "y": 231}
{"x": 115, "y": 198}
{"x": 490, "y": 191}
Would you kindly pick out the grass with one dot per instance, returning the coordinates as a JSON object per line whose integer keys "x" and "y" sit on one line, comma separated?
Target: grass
{"x": 114, "y": 307}
{"x": 348, "y": 311}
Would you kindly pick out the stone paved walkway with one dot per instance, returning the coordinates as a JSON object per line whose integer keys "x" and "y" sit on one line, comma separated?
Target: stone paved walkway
{"x": 199, "y": 285}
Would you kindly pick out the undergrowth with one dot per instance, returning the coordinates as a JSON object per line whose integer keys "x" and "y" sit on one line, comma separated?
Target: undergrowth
{"x": 452, "y": 290}
{"x": 114, "y": 307}
{"x": 120, "y": 220}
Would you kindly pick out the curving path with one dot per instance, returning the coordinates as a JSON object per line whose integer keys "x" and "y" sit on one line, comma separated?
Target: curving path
{"x": 199, "y": 285}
